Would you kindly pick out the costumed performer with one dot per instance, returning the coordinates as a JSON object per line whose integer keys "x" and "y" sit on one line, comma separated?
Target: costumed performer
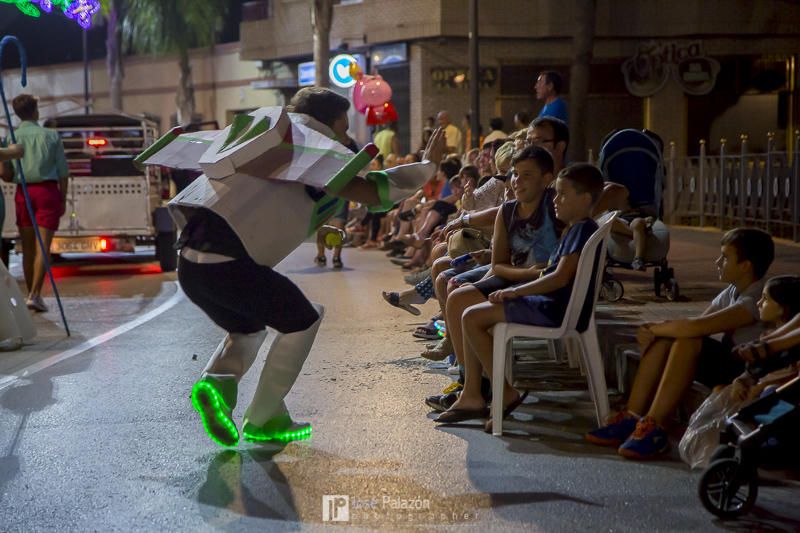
{"x": 271, "y": 179}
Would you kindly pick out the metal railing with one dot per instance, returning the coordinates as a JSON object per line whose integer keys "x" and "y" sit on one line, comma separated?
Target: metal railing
{"x": 736, "y": 188}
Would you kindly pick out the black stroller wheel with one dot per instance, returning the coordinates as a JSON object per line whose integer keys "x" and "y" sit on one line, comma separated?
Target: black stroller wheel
{"x": 612, "y": 290}
{"x": 728, "y": 490}
{"x": 723, "y": 451}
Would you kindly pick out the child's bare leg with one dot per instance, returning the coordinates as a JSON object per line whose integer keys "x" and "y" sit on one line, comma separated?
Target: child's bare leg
{"x": 457, "y": 302}
{"x": 476, "y": 323}
{"x": 678, "y": 375}
{"x": 621, "y": 227}
{"x": 639, "y": 229}
{"x": 648, "y": 376}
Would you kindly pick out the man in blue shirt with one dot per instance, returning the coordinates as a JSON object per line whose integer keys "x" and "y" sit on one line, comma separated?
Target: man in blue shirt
{"x": 548, "y": 88}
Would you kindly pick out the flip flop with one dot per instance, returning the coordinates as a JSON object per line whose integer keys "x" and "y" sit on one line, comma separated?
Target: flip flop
{"x": 428, "y": 332}
{"x": 453, "y": 416}
{"x": 393, "y": 298}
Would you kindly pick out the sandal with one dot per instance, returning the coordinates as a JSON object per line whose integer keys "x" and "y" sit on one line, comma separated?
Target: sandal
{"x": 393, "y": 298}
{"x": 454, "y": 416}
{"x": 428, "y": 332}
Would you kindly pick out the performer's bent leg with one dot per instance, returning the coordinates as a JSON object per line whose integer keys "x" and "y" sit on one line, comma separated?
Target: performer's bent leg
{"x": 284, "y": 361}
{"x": 235, "y": 354}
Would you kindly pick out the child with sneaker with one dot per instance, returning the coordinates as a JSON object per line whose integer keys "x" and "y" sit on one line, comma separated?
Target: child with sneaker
{"x": 541, "y": 302}
{"x": 677, "y": 351}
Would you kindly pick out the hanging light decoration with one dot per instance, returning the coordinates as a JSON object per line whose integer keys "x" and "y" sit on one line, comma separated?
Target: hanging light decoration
{"x": 81, "y": 11}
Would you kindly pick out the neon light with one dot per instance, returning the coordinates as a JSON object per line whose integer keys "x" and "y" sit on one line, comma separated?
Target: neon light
{"x": 79, "y": 10}
{"x": 96, "y": 142}
{"x": 103, "y": 244}
{"x": 254, "y": 434}
{"x": 215, "y": 413}
{"x": 82, "y": 12}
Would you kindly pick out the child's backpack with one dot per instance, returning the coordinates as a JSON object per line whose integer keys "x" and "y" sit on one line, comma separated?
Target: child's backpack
{"x": 633, "y": 158}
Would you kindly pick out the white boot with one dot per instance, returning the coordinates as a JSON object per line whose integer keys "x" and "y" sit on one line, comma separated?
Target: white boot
{"x": 285, "y": 359}
{"x": 235, "y": 354}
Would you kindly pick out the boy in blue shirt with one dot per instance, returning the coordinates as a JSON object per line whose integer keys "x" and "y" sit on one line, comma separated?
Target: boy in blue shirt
{"x": 541, "y": 302}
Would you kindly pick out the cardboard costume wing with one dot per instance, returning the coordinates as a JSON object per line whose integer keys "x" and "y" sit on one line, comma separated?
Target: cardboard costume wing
{"x": 268, "y": 143}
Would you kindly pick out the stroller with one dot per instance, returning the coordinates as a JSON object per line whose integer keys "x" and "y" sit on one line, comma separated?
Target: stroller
{"x": 633, "y": 158}
{"x": 764, "y": 431}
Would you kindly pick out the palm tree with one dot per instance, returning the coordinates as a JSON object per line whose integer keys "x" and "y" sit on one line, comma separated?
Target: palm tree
{"x": 583, "y": 43}
{"x": 174, "y": 26}
{"x": 114, "y": 11}
{"x": 321, "y": 17}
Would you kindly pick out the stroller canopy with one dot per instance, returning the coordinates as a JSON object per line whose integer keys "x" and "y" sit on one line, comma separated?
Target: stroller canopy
{"x": 633, "y": 158}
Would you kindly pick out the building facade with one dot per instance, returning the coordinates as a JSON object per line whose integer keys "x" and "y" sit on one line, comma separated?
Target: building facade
{"x": 687, "y": 70}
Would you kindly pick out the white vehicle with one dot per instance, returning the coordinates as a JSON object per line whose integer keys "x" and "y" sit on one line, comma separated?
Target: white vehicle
{"x": 111, "y": 205}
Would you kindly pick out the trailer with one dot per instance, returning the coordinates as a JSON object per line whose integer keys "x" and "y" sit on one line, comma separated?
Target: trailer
{"x": 111, "y": 206}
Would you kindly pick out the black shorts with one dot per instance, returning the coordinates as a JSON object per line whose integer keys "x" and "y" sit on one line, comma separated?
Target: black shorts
{"x": 444, "y": 209}
{"x": 241, "y": 296}
{"x": 717, "y": 365}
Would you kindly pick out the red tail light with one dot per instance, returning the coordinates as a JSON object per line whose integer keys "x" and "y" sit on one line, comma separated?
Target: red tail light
{"x": 103, "y": 245}
{"x": 97, "y": 142}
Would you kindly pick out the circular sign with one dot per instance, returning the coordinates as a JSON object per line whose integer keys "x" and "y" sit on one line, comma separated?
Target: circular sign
{"x": 339, "y": 71}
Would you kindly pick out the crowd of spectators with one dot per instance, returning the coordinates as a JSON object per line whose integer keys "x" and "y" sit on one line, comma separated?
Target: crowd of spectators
{"x": 495, "y": 236}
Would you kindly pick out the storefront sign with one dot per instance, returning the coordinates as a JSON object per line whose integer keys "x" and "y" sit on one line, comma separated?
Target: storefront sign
{"x": 388, "y": 54}
{"x": 458, "y": 78}
{"x": 305, "y": 74}
{"x": 649, "y": 70}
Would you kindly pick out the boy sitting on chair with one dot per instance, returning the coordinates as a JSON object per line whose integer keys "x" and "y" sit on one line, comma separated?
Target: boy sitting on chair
{"x": 542, "y": 302}
{"x": 674, "y": 351}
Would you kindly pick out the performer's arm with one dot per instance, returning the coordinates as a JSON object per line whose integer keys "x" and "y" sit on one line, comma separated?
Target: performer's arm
{"x": 402, "y": 180}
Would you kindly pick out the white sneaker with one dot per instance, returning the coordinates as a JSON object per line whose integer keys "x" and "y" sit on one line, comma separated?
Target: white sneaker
{"x": 36, "y": 304}
{"x": 453, "y": 370}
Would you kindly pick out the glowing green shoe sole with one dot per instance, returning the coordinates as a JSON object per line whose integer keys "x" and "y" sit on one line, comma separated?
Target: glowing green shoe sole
{"x": 214, "y": 399}
{"x": 280, "y": 428}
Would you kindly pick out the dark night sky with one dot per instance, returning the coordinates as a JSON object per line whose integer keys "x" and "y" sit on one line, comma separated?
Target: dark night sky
{"x": 53, "y": 38}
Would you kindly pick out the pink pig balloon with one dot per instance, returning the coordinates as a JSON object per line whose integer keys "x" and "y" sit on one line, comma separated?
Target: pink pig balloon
{"x": 376, "y": 91}
{"x": 358, "y": 100}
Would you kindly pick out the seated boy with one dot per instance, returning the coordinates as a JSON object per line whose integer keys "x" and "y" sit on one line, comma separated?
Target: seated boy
{"x": 541, "y": 302}
{"x": 675, "y": 351}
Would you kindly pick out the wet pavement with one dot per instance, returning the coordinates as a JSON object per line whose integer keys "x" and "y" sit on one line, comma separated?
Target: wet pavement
{"x": 107, "y": 439}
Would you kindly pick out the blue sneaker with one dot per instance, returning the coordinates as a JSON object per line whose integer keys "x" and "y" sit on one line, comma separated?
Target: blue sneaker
{"x": 615, "y": 432}
{"x": 648, "y": 441}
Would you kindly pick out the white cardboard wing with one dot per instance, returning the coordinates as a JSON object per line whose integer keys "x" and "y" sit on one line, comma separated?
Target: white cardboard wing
{"x": 267, "y": 143}
{"x": 182, "y": 151}
{"x": 270, "y": 143}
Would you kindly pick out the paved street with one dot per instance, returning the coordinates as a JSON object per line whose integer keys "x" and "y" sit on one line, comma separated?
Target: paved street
{"x": 106, "y": 439}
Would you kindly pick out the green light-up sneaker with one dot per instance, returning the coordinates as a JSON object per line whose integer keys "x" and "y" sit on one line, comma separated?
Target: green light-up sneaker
{"x": 214, "y": 398}
{"x": 279, "y": 428}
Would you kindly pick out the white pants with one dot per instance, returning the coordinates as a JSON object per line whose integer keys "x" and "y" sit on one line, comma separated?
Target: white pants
{"x": 237, "y": 352}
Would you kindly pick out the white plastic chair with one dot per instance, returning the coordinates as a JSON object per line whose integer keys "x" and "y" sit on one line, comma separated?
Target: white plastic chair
{"x": 593, "y": 255}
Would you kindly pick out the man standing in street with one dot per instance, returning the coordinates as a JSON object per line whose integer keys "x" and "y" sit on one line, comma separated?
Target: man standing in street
{"x": 548, "y": 88}
{"x": 451, "y": 133}
{"x": 46, "y": 174}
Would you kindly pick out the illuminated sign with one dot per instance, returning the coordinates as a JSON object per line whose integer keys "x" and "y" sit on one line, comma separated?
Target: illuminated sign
{"x": 339, "y": 71}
